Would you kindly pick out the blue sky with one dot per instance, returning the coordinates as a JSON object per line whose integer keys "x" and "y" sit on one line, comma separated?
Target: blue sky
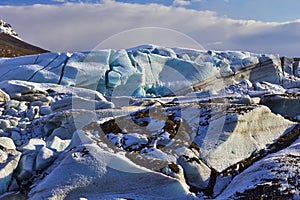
{"x": 263, "y": 10}
{"x": 262, "y": 26}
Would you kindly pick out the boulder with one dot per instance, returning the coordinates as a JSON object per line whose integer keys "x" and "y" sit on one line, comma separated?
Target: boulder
{"x": 79, "y": 103}
{"x": 6, "y": 171}
{"x": 34, "y": 144}
{"x": 64, "y": 124}
{"x": 7, "y": 143}
{"x": 9, "y": 161}
{"x": 63, "y": 133}
{"x": 16, "y": 88}
{"x": 79, "y": 138}
{"x": 33, "y": 113}
{"x": 45, "y": 110}
{"x": 26, "y": 165}
{"x": 15, "y": 135}
{"x": 4, "y": 124}
{"x": 4, "y": 97}
{"x": 11, "y": 112}
{"x": 196, "y": 173}
{"x": 58, "y": 144}
{"x": 44, "y": 158}
{"x": 3, "y": 156}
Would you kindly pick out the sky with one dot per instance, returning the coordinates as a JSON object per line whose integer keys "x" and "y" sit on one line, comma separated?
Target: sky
{"x": 262, "y": 26}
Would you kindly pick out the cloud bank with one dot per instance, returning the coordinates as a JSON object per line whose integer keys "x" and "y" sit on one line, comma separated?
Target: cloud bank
{"x": 80, "y": 27}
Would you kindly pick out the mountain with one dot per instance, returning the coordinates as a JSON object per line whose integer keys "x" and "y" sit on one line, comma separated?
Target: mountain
{"x": 12, "y": 46}
{"x": 150, "y": 122}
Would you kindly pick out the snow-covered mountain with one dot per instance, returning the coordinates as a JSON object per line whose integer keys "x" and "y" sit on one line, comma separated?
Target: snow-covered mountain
{"x": 150, "y": 122}
{"x": 7, "y": 29}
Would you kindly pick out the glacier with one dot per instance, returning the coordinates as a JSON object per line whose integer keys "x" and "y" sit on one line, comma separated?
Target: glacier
{"x": 149, "y": 71}
{"x": 149, "y": 122}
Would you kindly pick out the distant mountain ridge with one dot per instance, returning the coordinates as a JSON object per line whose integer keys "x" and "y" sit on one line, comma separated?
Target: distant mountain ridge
{"x": 12, "y": 46}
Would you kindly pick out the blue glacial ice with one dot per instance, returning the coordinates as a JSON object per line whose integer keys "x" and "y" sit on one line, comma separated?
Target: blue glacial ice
{"x": 147, "y": 71}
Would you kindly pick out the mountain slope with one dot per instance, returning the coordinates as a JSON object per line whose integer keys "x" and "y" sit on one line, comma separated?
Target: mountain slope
{"x": 13, "y": 47}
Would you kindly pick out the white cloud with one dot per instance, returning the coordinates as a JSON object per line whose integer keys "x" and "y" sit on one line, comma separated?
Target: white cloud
{"x": 184, "y": 2}
{"x": 77, "y": 27}
{"x": 107, "y": 1}
{"x": 61, "y": 1}
{"x": 181, "y": 2}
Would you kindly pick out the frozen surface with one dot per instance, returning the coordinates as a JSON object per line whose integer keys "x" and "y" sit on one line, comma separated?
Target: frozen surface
{"x": 149, "y": 123}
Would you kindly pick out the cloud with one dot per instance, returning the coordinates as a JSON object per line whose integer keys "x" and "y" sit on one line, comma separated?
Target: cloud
{"x": 60, "y": 1}
{"x": 107, "y": 1}
{"x": 181, "y": 3}
{"x": 184, "y": 2}
{"x": 78, "y": 27}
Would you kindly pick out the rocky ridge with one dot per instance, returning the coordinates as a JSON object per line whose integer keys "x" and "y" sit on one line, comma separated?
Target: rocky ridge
{"x": 206, "y": 124}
